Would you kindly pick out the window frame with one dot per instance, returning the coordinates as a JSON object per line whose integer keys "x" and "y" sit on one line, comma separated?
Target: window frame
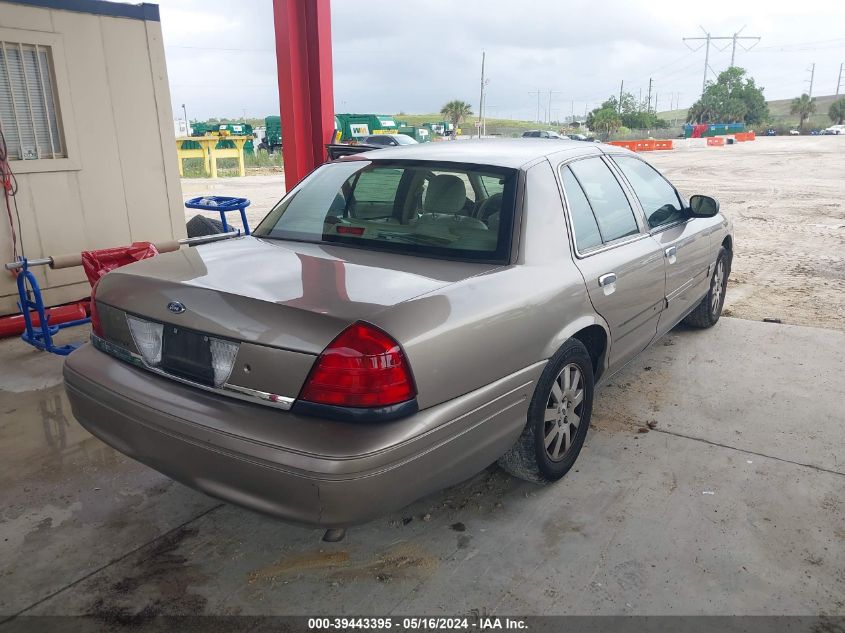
{"x": 62, "y": 97}
{"x": 681, "y": 200}
{"x": 642, "y": 231}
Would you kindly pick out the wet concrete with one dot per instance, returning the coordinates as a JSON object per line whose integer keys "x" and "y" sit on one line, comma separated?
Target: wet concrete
{"x": 730, "y": 503}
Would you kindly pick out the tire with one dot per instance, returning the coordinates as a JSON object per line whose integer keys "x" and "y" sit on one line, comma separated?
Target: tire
{"x": 529, "y": 458}
{"x": 707, "y": 312}
{"x": 200, "y": 225}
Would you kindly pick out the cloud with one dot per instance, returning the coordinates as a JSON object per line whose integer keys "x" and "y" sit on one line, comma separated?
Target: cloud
{"x": 415, "y": 55}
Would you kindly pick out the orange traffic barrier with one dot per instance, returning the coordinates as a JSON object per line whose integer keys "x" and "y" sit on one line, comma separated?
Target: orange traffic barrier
{"x": 643, "y": 145}
{"x": 751, "y": 135}
{"x": 741, "y": 137}
{"x": 715, "y": 141}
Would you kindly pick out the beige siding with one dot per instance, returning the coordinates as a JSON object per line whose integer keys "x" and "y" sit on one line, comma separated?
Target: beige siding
{"x": 120, "y": 181}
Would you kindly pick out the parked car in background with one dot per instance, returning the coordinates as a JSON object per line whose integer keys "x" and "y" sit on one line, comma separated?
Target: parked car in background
{"x": 834, "y": 130}
{"x": 794, "y": 132}
{"x": 410, "y": 315}
{"x": 389, "y": 140}
{"x": 771, "y": 132}
{"x": 582, "y": 137}
{"x": 543, "y": 134}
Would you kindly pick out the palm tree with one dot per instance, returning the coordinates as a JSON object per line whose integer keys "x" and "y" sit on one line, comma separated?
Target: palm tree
{"x": 803, "y": 106}
{"x": 456, "y": 111}
{"x": 606, "y": 121}
{"x": 837, "y": 111}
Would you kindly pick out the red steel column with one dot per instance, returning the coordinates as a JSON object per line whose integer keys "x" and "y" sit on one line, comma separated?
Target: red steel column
{"x": 306, "y": 95}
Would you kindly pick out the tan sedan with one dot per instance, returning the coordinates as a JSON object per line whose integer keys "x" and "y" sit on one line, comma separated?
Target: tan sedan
{"x": 399, "y": 321}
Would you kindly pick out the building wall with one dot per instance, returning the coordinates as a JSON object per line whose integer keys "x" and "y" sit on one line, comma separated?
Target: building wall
{"x": 120, "y": 180}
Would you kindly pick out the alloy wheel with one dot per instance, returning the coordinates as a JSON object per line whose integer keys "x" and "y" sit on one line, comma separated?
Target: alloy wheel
{"x": 563, "y": 412}
{"x": 718, "y": 288}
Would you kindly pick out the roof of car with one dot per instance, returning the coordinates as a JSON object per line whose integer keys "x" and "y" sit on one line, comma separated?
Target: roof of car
{"x": 514, "y": 153}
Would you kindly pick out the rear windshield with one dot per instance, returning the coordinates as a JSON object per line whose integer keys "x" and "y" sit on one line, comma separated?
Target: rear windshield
{"x": 449, "y": 210}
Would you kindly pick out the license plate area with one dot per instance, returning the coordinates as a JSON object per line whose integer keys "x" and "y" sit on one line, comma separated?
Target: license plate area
{"x": 187, "y": 354}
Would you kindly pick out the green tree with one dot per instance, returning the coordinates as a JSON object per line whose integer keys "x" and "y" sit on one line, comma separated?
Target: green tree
{"x": 604, "y": 120}
{"x": 733, "y": 98}
{"x": 837, "y": 111}
{"x": 456, "y": 111}
{"x": 631, "y": 114}
{"x": 803, "y": 106}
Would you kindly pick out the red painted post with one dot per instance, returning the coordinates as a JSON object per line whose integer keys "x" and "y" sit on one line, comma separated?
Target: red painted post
{"x": 306, "y": 95}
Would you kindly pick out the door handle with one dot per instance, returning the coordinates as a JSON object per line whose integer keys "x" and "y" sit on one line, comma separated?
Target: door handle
{"x": 671, "y": 254}
{"x": 607, "y": 280}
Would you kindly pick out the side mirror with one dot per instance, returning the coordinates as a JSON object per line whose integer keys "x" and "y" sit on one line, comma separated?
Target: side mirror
{"x": 703, "y": 206}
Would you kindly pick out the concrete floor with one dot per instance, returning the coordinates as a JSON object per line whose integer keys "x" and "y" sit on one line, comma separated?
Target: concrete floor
{"x": 733, "y": 504}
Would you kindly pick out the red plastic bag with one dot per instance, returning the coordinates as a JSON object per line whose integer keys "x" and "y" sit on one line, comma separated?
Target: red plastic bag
{"x": 98, "y": 263}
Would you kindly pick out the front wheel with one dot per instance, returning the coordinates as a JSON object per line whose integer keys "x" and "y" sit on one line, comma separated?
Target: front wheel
{"x": 558, "y": 418}
{"x": 707, "y": 313}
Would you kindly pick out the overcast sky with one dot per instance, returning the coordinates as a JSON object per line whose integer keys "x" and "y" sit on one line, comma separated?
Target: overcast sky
{"x": 414, "y": 55}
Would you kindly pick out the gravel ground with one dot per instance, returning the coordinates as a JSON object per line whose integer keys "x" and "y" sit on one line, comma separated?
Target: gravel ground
{"x": 784, "y": 195}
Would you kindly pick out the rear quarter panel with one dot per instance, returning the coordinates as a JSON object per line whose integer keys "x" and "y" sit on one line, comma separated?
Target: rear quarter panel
{"x": 472, "y": 333}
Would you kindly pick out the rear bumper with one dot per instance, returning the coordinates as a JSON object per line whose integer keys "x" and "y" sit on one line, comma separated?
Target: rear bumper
{"x": 301, "y": 469}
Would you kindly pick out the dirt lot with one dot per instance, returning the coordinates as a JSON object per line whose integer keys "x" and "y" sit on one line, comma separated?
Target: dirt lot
{"x": 784, "y": 195}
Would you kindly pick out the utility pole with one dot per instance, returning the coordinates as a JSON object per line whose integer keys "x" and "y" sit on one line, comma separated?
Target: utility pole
{"x": 481, "y": 97}
{"x": 537, "y": 92}
{"x": 812, "y": 70}
{"x": 621, "y": 87}
{"x": 655, "y": 102}
{"x": 649, "y": 95}
{"x": 735, "y": 38}
{"x": 839, "y": 81}
{"x": 550, "y": 107}
{"x": 188, "y": 125}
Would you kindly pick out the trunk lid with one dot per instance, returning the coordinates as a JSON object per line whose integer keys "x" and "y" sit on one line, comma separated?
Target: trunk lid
{"x": 289, "y": 295}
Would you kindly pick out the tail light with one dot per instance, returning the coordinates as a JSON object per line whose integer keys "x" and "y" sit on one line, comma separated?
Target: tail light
{"x": 362, "y": 367}
{"x": 96, "y": 324}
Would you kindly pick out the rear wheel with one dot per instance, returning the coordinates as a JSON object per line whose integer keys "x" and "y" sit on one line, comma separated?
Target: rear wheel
{"x": 558, "y": 418}
{"x": 707, "y": 313}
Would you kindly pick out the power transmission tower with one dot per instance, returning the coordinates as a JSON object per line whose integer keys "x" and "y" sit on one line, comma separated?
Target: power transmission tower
{"x": 737, "y": 37}
{"x": 812, "y": 70}
{"x": 709, "y": 38}
{"x": 839, "y": 81}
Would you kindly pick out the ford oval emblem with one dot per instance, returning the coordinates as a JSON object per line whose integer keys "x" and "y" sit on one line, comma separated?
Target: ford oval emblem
{"x": 176, "y": 307}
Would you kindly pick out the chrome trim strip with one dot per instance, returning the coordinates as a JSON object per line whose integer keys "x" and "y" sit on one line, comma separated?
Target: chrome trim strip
{"x": 270, "y": 399}
{"x": 227, "y": 390}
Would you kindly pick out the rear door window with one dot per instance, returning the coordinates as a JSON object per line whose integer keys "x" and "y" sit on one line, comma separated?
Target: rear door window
{"x": 584, "y": 224}
{"x": 610, "y": 206}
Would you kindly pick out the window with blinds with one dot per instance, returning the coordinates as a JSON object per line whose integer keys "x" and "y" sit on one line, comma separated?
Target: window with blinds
{"x": 29, "y": 115}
